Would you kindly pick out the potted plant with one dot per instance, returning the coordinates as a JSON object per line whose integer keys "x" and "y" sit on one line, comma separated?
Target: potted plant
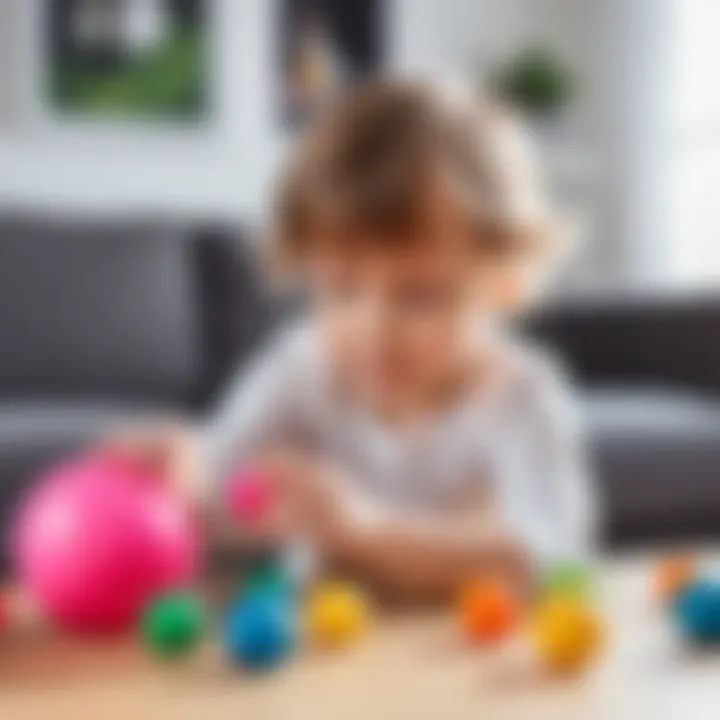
{"x": 537, "y": 82}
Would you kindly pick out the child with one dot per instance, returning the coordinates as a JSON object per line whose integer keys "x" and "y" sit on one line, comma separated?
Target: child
{"x": 410, "y": 438}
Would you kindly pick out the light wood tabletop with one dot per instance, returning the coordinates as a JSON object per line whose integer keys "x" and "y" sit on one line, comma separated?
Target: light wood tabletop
{"x": 410, "y": 666}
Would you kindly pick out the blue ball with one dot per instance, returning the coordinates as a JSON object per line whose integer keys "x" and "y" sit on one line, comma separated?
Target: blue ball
{"x": 260, "y": 631}
{"x": 697, "y": 611}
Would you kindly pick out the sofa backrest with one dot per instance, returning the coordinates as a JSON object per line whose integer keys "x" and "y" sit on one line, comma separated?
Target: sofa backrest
{"x": 237, "y": 308}
{"x": 156, "y": 310}
{"x": 90, "y": 308}
{"x": 653, "y": 341}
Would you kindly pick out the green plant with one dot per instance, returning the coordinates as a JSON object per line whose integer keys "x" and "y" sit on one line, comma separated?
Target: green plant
{"x": 536, "y": 80}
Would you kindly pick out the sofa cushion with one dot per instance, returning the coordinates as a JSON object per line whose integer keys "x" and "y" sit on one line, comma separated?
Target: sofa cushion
{"x": 90, "y": 309}
{"x": 657, "y": 457}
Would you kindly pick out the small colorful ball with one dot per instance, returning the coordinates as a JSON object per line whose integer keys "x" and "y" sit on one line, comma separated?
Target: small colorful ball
{"x": 489, "y": 611}
{"x": 338, "y": 615}
{"x": 173, "y": 625}
{"x": 260, "y": 632}
{"x": 270, "y": 577}
{"x": 568, "y": 634}
{"x": 249, "y": 497}
{"x": 697, "y": 611}
{"x": 672, "y": 575}
{"x": 569, "y": 578}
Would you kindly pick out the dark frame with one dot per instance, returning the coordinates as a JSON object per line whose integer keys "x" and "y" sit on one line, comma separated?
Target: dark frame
{"x": 354, "y": 28}
{"x": 169, "y": 83}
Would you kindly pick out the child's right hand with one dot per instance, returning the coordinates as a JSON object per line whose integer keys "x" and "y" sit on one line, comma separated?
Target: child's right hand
{"x": 314, "y": 499}
{"x": 168, "y": 450}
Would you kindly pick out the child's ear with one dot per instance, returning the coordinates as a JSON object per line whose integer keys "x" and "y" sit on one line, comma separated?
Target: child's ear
{"x": 514, "y": 285}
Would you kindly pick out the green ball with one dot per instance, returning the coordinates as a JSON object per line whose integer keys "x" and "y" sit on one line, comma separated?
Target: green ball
{"x": 569, "y": 578}
{"x": 173, "y": 625}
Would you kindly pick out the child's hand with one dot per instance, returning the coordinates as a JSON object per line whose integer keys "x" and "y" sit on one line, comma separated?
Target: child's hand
{"x": 312, "y": 497}
{"x": 167, "y": 450}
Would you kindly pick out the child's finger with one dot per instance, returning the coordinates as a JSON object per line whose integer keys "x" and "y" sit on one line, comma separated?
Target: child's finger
{"x": 285, "y": 471}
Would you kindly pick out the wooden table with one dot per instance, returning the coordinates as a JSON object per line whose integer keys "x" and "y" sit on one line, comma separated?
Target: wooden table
{"x": 411, "y": 666}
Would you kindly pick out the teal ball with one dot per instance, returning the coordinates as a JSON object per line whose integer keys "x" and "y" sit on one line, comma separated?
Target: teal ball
{"x": 260, "y": 631}
{"x": 173, "y": 625}
{"x": 271, "y": 578}
{"x": 697, "y": 612}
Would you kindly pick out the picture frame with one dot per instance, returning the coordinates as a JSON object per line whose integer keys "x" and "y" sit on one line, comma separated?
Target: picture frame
{"x": 126, "y": 61}
{"x": 326, "y": 46}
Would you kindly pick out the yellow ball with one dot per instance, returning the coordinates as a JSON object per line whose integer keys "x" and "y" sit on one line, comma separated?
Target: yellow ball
{"x": 568, "y": 634}
{"x": 338, "y": 615}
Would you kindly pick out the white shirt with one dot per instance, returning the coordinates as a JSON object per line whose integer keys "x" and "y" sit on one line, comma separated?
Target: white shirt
{"x": 520, "y": 436}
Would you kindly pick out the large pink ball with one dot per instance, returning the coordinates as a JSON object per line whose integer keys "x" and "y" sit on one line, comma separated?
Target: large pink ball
{"x": 97, "y": 539}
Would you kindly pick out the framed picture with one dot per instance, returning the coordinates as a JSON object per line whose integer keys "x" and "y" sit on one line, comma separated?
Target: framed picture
{"x": 128, "y": 59}
{"x": 326, "y": 46}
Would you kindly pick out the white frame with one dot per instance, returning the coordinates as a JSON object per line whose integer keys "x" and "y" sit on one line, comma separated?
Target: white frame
{"x": 39, "y": 115}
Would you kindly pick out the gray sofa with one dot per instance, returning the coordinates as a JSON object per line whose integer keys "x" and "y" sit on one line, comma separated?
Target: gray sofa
{"x": 106, "y": 322}
{"x": 649, "y": 372}
{"x": 102, "y": 324}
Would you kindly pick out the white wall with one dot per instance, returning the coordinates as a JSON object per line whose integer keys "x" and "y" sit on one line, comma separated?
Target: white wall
{"x": 621, "y": 50}
{"x": 6, "y": 64}
{"x": 226, "y": 167}
{"x": 219, "y": 168}
{"x": 633, "y": 64}
{"x": 454, "y": 36}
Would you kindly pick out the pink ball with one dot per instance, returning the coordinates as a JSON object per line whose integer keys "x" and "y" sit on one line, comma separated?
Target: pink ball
{"x": 97, "y": 539}
{"x": 249, "y": 497}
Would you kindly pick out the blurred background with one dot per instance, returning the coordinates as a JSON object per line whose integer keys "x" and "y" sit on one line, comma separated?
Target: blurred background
{"x": 198, "y": 123}
{"x": 138, "y": 142}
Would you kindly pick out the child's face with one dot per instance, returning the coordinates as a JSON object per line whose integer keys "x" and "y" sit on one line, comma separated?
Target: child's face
{"x": 398, "y": 322}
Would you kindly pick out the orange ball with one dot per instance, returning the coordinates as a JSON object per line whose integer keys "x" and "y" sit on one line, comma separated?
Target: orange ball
{"x": 671, "y": 576}
{"x": 489, "y": 611}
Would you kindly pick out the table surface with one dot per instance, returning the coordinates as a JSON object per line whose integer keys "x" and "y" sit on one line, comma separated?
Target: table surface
{"x": 410, "y": 666}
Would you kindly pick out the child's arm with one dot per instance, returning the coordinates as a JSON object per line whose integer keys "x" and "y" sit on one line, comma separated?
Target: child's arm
{"x": 410, "y": 556}
{"x": 546, "y": 513}
{"x": 431, "y": 559}
{"x": 254, "y": 414}
{"x": 169, "y": 448}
